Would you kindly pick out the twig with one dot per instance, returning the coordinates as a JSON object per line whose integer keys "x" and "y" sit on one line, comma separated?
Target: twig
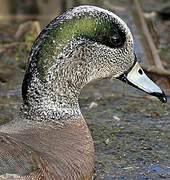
{"x": 113, "y": 7}
{"x": 149, "y": 39}
{"x": 27, "y": 26}
{"x": 26, "y": 16}
{"x": 14, "y": 44}
{"x": 156, "y": 70}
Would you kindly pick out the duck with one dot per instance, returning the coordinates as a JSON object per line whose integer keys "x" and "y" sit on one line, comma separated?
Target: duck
{"x": 49, "y": 138}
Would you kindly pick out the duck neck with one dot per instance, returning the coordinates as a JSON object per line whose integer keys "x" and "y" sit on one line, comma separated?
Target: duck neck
{"x": 55, "y": 100}
{"x": 55, "y": 97}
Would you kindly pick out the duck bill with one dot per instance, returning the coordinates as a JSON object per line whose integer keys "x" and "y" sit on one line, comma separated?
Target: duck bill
{"x": 138, "y": 79}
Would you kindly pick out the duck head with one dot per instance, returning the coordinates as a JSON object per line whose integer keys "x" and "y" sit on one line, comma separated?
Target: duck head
{"x": 83, "y": 44}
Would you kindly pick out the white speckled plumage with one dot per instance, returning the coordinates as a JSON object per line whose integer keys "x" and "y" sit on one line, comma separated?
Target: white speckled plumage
{"x": 101, "y": 61}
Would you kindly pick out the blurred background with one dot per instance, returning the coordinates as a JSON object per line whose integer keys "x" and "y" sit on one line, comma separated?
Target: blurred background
{"x": 42, "y": 10}
{"x": 130, "y": 129}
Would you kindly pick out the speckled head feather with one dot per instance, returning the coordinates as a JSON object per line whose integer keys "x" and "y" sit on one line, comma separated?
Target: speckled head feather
{"x": 83, "y": 44}
{"x": 89, "y": 22}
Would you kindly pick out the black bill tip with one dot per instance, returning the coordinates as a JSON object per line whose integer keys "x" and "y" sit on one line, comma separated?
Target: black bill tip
{"x": 160, "y": 96}
{"x": 137, "y": 78}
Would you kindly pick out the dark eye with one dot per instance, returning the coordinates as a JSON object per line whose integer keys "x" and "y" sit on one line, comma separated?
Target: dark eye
{"x": 116, "y": 40}
{"x": 113, "y": 37}
{"x": 140, "y": 71}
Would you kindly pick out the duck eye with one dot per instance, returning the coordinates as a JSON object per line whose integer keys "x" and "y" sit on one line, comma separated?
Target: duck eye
{"x": 116, "y": 40}
{"x": 140, "y": 71}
